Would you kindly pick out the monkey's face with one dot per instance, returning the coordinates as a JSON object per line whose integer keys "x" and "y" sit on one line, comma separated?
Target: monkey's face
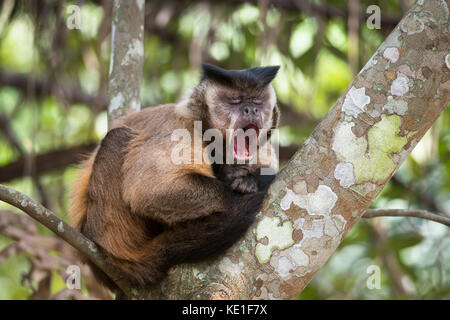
{"x": 249, "y": 109}
{"x": 231, "y": 108}
{"x": 240, "y": 101}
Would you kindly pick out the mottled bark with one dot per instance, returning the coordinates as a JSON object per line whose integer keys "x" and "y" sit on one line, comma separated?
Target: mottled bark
{"x": 332, "y": 180}
{"x": 127, "y": 57}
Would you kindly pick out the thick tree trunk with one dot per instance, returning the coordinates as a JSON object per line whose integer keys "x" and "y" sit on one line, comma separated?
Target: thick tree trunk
{"x": 332, "y": 180}
{"x": 127, "y": 57}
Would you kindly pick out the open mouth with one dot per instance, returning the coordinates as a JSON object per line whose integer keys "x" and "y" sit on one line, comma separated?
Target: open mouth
{"x": 243, "y": 151}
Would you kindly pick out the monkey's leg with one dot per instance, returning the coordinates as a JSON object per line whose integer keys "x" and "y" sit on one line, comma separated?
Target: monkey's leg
{"x": 198, "y": 239}
{"x": 202, "y": 238}
{"x": 191, "y": 241}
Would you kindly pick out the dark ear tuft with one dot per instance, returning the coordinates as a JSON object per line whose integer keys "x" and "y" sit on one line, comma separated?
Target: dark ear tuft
{"x": 215, "y": 73}
{"x": 253, "y": 77}
{"x": 264, "y": 75}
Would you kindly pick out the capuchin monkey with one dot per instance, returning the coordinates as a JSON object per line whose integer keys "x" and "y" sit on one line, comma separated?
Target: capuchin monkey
{"x": 148, "y": 213}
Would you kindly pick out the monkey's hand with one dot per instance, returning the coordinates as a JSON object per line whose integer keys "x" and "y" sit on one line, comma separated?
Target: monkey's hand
{"x": 245, "y": 184}
{"x": 239, "y": 178}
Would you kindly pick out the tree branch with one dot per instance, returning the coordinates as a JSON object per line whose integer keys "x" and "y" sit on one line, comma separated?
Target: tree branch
{"x": 52, "y": 160}
{"x": 7, "y": 131}
{"x": 423, "y": 214}
{"x": 42, "y": 87}
{"x": 66, "y": 232}
{"x": 62, "y": 158}
{"x": 74, "y": 94}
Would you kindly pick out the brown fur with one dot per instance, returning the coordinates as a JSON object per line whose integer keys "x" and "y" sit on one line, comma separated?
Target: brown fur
{"x": 80, "y": 196}
{"x": 148, "y": 213}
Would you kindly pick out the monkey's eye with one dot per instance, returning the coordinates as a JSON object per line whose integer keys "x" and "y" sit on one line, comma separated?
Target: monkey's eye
{"x": 257, "y": 101}
{"x": 235, "y": 101}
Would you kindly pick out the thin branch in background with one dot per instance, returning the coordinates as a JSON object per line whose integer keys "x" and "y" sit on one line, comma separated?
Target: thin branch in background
{"x": 45, "y": 162}
{"x": 423, "y": 214}
{"x": 67, "y": 233}
{"x": 9, "y": 134}
{"x": 62, "y": 158}
{"x": 5, "y": 14}
{"x": 67, "y": 92}
{"x": 338, "y": 53}
{"x": 268, "y": 35}
{"x": 74, "y": 94}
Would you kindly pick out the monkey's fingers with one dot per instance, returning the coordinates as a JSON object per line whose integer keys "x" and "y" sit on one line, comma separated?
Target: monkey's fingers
{"x": 247, "y": 184}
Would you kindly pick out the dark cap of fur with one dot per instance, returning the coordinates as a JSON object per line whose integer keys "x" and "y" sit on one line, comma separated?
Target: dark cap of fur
{"x": 254, "y": 77}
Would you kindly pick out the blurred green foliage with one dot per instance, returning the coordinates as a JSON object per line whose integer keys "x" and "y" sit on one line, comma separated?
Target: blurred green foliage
{"x": 312, "y": 52}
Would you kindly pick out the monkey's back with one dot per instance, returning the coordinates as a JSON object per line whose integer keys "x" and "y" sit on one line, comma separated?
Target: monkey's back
{"x": 97, "y": 198}
{"x": 132, "y": 161}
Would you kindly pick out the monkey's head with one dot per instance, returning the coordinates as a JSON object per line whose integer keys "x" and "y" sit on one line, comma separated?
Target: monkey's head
{"x": 239, "y": 99}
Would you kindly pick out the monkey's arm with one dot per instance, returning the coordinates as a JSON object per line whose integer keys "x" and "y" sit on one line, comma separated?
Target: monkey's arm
{"x": 199, "y": 239}
{"x": 205, "y": 215}
{"x": 190, "y": 197}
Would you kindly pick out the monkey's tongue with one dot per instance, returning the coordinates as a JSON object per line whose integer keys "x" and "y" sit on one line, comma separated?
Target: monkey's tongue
{"x": 241, "y": 151}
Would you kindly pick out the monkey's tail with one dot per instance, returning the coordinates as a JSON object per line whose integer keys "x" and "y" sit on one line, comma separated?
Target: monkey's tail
{"x": 79, "y": 201}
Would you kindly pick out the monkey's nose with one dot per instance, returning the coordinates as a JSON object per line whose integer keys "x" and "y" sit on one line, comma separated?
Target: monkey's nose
{"x": 249, "y": 110}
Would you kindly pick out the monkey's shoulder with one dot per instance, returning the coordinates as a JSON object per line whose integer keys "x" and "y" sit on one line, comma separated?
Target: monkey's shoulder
{"x": 156, "y": 119}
